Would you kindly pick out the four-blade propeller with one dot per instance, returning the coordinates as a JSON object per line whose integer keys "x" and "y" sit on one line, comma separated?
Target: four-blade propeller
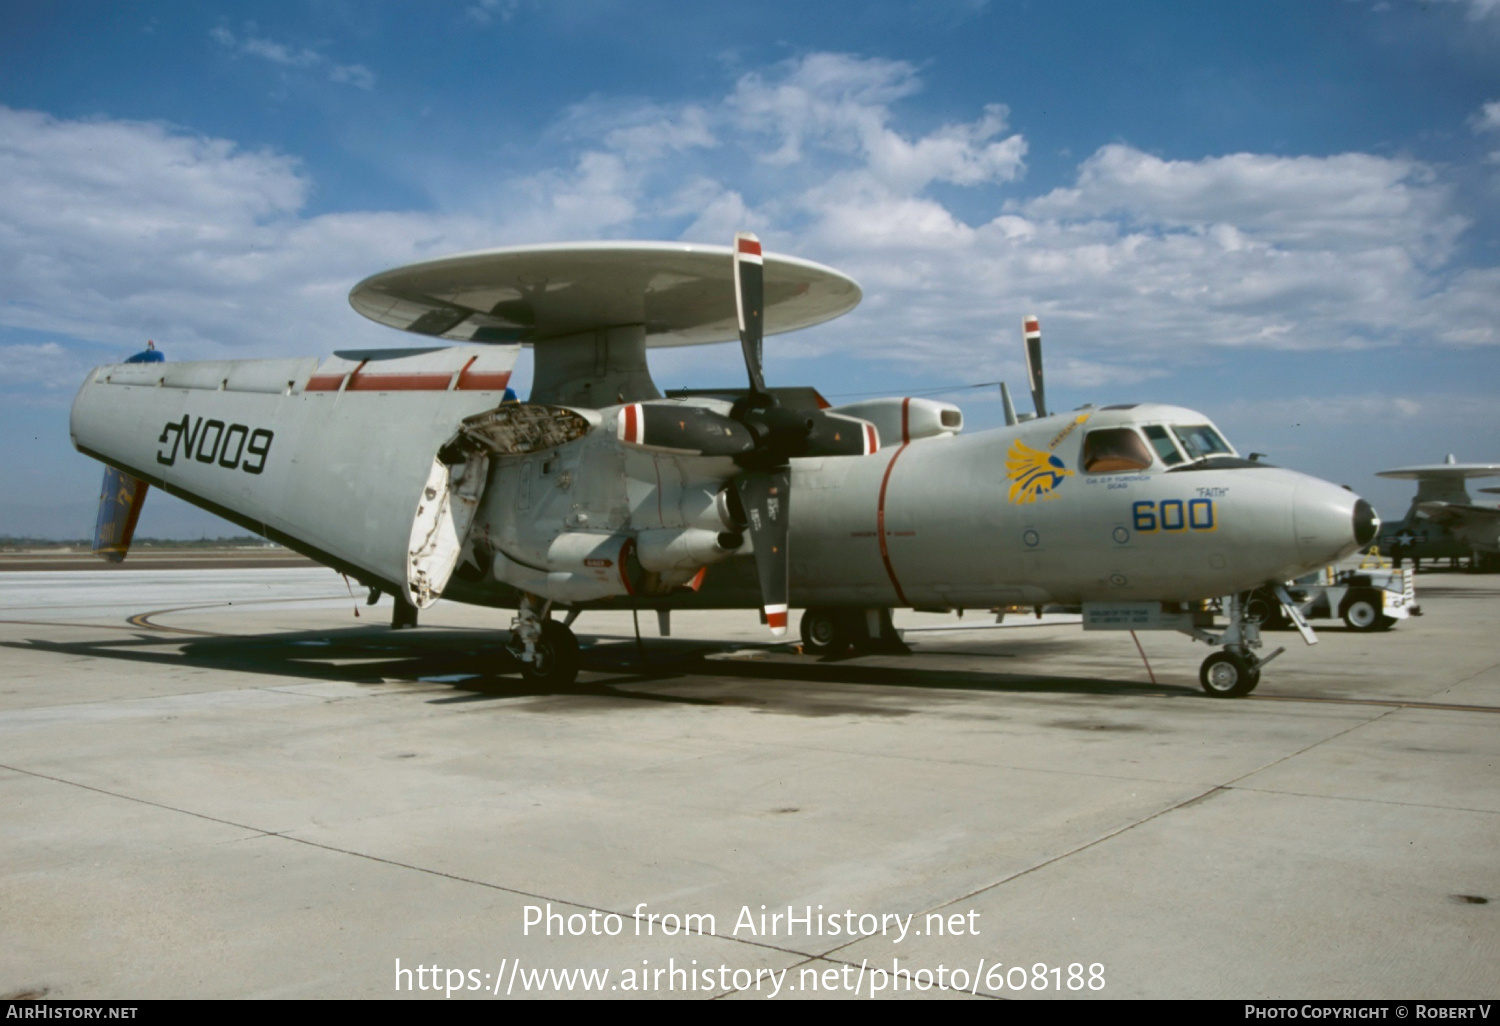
{"x": 764, "y": 487}
{"x": 759, "y": 434}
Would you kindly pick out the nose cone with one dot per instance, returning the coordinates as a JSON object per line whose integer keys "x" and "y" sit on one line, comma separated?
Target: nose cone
{"x": 1366, "y": 523}
{"x": 1330, "y": 522}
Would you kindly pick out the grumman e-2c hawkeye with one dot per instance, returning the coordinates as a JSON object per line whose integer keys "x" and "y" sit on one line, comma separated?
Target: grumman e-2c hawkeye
{"x": 411, "y": 470}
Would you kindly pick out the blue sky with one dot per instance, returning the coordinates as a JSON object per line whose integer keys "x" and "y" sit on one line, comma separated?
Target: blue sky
{"x": 1286, "y": 215}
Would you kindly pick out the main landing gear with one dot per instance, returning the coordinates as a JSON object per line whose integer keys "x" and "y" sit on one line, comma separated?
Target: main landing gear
{"x": 547, "y": 649}
{"x": 832, "y": 632}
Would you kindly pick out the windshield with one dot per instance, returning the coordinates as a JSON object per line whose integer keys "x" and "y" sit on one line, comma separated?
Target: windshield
{"x": 1200, "y": 440}
{"x": 1163, "y": 444}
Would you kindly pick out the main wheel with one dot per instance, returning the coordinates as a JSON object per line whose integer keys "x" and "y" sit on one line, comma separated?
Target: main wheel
{"x": 826, "y": 632}
{"x": 403, "y": 614}
{"x": 1264, "y": 608}
{"x": 1362, "y": 612}
{"x": 556, "y": 658}
{"x": 1228, "y": 674}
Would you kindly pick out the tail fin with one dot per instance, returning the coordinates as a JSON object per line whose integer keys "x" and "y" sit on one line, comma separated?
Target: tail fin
{"x": 122, "y": 495}
{"x": 119, "y": 509}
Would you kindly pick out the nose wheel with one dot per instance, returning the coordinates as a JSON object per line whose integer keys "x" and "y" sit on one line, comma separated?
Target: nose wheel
{"x": 1229, "y": 674}
{"x": 1235, "y": 669}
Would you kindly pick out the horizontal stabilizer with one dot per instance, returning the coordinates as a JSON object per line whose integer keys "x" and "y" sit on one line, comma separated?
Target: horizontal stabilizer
{"x": 331, "y": 458}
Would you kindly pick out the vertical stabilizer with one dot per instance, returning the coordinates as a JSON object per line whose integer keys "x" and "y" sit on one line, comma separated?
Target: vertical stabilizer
{"x": 121, "y": 496}
{"x": 119, "y": 509}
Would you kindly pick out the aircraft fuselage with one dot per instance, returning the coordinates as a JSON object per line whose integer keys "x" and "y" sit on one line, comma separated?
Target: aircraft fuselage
{"x": 337, "y": 465}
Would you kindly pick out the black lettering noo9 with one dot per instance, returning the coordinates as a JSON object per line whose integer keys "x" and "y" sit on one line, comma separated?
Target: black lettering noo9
{"x": 232, "y": 446}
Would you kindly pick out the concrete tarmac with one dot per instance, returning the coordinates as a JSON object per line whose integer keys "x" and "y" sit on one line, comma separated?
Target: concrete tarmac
{"x": 221, "y": 783}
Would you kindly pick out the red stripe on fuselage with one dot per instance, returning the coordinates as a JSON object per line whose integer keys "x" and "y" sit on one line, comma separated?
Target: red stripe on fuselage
{"x": 399, "y": 382}
{"x": 468, "y": 381}
{"x": 482, "y": 381}
{"x": 625, "y": 574}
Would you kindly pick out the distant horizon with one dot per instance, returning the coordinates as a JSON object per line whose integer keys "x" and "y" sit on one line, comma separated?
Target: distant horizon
{"x": 242, "y": 540}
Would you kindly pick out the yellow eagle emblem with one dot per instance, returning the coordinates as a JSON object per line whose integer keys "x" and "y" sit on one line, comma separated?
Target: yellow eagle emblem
{"x": 1034, "y": 474}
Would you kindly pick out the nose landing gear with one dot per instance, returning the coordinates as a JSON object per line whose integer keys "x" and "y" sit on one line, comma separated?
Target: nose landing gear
{"x": 1235, "y": 670}
{"x": 1229, "y": 674}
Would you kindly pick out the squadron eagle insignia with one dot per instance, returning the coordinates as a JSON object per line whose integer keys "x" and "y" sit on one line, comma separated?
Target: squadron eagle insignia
{"x": 1034, "y": 473}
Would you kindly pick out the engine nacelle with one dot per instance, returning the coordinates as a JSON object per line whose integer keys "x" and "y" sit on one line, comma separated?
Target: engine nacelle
{"x": 906, "y": 420}
{"x": 673, "y": 551}
{"x": 580, "y": 566}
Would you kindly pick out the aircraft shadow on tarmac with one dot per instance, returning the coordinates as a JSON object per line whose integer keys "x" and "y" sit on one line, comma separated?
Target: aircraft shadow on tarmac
{"x": 477, "y": 667}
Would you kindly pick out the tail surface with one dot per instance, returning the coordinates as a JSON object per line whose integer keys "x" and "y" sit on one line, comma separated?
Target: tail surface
{"x": 122, "y": 495}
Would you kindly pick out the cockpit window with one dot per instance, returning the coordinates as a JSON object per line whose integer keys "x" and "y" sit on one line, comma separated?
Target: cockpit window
{"x": 1200, "y": 440}
{"x": 1113, "y": 450}
{"x": 1162, "y": 442}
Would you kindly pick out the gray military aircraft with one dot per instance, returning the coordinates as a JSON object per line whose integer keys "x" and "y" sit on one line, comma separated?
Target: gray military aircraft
{"x": 1443, "y": 522}
{"x": 415, "y": 472}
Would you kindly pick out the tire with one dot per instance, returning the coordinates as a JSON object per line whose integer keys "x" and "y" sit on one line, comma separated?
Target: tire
{"x": 557, "y": 660}
{"x": 825, "y": 632}
{"x": 1228, "y": 674}
{"x": 1361, "y": 612}
{"x": 403, "y": 614}
{"x": 1265, "y": 609}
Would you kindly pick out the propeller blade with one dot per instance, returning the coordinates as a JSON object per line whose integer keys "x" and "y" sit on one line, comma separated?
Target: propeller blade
{"x": 691, "y": 430}
{"x": 1033, "y": 331}
{"x": 764, "y": 496}
{"x": 749, "y": 303}
{"x": 119, "y": 509}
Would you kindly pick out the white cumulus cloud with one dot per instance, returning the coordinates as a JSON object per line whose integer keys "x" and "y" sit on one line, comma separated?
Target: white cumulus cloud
{"x": 115, "y": 231}
{"x": 290, "y": 56}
